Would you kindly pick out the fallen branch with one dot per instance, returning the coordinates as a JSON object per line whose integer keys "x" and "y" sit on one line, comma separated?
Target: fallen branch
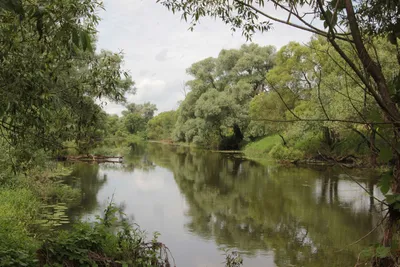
{"x": 93, "y": 158}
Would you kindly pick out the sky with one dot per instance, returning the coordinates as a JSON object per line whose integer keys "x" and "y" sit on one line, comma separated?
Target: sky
{"x": 158, "y": 47}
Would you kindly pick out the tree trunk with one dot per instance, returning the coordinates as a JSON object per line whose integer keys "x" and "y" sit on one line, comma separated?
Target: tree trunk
{"x": 328, "y": 136}
{"x": 381, "y": 94}
{"x": 372, "y": 147}
{"x": 238, "y": 133}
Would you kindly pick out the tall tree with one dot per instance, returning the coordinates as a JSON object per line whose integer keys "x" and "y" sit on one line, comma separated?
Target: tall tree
{"x": 136, "y": 117}
{"x": 50, "y": 75}
{"x": 215, "y": 111}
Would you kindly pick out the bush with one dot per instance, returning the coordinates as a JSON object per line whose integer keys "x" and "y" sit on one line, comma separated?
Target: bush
{"x": 109, "y": 241}
{"x": 284, "y": 153}
{"x": 262, "y": 147}
{"x": 18, "y": 209}
{"x": 309, "y": 144}
{"x": 49, "y": 185}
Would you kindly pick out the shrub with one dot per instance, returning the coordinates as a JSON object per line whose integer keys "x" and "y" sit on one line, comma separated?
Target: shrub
{"x": 309, "y": 144}
{"x": 284, "y": 153}
{"x": 49, "y": 185}
{"x": 109, "y": 241}
{"x": 262, "y": 147}
{"x": 18, "y": 209}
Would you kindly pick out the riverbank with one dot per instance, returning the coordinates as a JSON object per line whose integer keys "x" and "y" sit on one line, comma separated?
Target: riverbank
{"x": 270, "y": 149}
{"x": 32, "y": 205}
{"x": 33, "y": 213}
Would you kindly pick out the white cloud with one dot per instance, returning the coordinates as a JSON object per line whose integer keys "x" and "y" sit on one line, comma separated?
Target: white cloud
{"x": 148, "y": 183}
{"x": 159, "y": 48}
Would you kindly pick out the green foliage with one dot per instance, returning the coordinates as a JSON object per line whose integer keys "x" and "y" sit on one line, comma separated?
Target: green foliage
{"x": 233, "y": 259}
{"x": 385, "y": 182}
{"x": 18, "y": 209}
{"x": 281, "y": 152}
{"x": 262, "y": 147}
{"x": 146, "y": 110}
{"x": 216, "y": 108}
{"x": 109, "y": 240}
{"x": 49, "y": 186}
{"x": 134, "y": 123}
{"x": 375, "y": 253}
{"x": 305, "y": 96}
{"x": 50, "y": 76}
{"x": 161, "y": 126}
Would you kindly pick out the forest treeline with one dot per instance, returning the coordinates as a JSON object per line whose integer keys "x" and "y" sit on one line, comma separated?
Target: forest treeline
{"x": 298, "y": 102}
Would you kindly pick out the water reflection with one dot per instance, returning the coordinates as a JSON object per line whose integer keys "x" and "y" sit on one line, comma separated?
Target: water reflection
{"x": 86, "y": 177}
{"x": 202, "y": 202}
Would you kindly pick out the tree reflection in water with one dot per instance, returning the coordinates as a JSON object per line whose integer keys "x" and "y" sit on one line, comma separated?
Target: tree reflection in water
{"x": 305, "y": 216}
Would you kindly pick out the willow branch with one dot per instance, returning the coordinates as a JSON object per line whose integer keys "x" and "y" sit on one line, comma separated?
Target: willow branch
{"x": 312, "y": 30}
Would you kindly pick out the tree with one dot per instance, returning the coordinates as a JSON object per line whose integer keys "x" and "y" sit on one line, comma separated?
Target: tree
{"x": 136, "y": 117}
{"x": 161, "y": 126}
{"x": 134, "y": 123}
{"x": 50, "y": 76}
{"x": 346, "y": 23}
{"x": 215, "y": 111}
{"x": 146, "y": 110}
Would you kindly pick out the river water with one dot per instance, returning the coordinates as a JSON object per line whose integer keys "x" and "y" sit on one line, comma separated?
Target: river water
{"x": 205, "y": 202}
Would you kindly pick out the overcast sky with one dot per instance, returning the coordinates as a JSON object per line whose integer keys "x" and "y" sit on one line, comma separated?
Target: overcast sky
{"x": 158, "y": 47}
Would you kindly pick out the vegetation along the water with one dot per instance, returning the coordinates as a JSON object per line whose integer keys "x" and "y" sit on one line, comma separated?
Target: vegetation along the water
{"x": 332, "y": 100}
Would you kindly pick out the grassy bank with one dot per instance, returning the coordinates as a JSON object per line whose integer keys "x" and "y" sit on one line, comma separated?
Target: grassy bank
{"x": 31, "y": 205}
{"x": 271, "y": 148}
{"x": 32, "y": 210}
{"x": 309, "y": 149}
{"x": 262, "y": 147}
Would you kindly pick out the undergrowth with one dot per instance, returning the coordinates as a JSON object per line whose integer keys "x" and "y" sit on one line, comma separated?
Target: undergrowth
{"x": 109, "y": 241}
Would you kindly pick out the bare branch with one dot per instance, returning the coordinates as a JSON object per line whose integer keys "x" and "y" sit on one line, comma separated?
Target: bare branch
{"x": 311, "y": 29}
{"x": 319, "y": 95}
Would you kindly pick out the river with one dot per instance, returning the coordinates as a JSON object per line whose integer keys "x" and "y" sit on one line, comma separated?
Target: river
{"x": 205, "y": 202}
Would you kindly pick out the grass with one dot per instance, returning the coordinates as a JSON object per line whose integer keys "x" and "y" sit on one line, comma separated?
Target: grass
{"x": 262, "y": 147}
{"x": 18, "y": 208}
{"x": 25, "y": 211}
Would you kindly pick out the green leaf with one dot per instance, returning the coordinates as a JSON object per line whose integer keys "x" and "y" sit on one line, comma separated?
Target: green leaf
{"x": 385, "y": 154}
{"x": 84, "y": 40}
{"x": 385, "y": 182}
{"x": 382, "y": 252}
{"x": 89, "y": 42}
{"x": 75, "y": 37}
{"x": 390, "y": 199}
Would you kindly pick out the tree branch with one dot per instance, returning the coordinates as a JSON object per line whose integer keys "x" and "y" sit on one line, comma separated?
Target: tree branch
{"x": 311, "y": 29}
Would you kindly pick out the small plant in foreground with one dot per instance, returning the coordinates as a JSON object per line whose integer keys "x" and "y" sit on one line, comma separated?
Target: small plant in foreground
{"x": 233, "y": 259}
{"x": 110, "y": 241}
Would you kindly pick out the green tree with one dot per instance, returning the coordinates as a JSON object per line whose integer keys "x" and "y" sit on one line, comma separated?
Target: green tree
{"x": 215, "y": 111}
{"x": 134, "y": 123}
{"x": 136, "y": 117}
{"x": 161, "y": 126}
{"x": 146, "y": 110}
{"x": 50, "y": 76}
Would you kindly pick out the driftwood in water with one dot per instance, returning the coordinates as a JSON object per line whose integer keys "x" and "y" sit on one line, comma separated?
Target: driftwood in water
{"x": 95, "y": 158}
{"x": 349, "y": 160}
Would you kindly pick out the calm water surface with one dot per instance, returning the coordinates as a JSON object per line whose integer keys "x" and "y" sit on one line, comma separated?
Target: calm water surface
{"x": 203, "y": 202}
